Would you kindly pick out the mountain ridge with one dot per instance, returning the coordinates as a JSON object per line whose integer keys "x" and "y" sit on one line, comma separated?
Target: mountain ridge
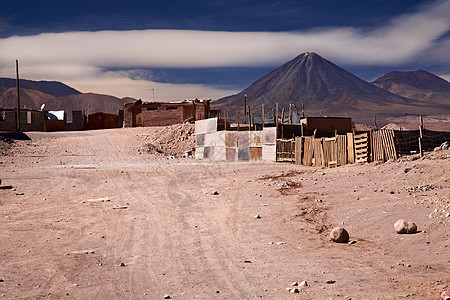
{"x": 54, "y": 88}
{"x": 325, "y": 89}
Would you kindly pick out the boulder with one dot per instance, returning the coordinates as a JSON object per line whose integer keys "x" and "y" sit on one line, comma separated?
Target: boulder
{"x": 401, "y": 226}
{"x": 339, "y": 235}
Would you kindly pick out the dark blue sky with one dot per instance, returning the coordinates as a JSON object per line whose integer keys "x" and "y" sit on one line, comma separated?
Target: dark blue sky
{"x": 31, "y": 17}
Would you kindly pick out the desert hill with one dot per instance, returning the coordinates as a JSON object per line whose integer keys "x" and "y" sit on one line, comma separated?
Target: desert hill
{"x": 419, "y": 85}
{"x": 89, "y": 102}
{"x": 325, "y": 89}
{"x": 53, "y": 88}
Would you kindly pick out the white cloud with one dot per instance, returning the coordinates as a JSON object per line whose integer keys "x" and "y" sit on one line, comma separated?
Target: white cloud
{"x": 80, "y": 57}
{"x": 120, "y": 85}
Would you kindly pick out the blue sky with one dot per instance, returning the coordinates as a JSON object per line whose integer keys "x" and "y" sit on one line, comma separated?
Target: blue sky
{"x": 211, "y": 49}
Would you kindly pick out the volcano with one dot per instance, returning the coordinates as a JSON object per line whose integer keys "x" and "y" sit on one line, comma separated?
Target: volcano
{"x": 325, "y": 89}
{"x": 420, "y": 85}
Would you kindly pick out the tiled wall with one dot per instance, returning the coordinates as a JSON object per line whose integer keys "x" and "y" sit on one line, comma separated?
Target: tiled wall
{"x": 233, "y": 145}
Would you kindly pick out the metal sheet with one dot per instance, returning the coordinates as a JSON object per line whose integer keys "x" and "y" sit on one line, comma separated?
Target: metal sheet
{"x": 269, "y": 136}
{"x": 243, "y": 140}
{"x": 269, "y": 152}
{"x": 243, "y": 154}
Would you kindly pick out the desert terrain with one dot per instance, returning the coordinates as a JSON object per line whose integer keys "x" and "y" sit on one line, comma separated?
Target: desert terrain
{"x": 95, "y": 215}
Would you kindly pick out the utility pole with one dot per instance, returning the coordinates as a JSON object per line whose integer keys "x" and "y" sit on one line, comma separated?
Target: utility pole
{"x": 245, "y": 108}
{"x": 18, "y": 98}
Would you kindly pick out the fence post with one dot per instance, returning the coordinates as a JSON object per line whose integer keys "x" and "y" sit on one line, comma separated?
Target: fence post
{"x": 420, "y": 136}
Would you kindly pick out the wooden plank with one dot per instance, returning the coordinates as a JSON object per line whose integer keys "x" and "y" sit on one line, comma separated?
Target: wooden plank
{"x": 341, "y": 146}
{"x": 307, "y": 151}
{"x": 298, "y": 149}
{"x": 318, "y": 152}
{"x": 350, "y": 148}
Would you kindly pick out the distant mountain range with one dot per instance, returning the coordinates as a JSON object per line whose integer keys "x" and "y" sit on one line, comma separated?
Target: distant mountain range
{"x": 326, "y": 89}
{"x": 56, "y": 96}
{"x": 309, "y": 79}
{"x": 53, "y": 88}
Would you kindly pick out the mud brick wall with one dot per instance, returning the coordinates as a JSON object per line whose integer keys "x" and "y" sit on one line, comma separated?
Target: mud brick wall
{"x": 78, "y": 121}
{"x": 130, "y": 110}
{"x": 32, "y": 120}
{"x": 163, "y": 116}
{"x": 7, "y": 120}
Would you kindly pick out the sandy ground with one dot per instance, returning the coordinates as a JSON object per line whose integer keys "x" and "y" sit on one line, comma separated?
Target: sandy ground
{"x": 92, "y": 216}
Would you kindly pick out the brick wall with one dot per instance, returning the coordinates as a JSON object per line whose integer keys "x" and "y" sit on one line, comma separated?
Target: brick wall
{"x": 78, "y": 121}
{"x": 163, "y": 116}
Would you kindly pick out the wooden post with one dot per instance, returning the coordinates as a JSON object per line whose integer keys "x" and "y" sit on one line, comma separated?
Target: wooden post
{"x": 420, "y": 136}
{"x": 276, "y": 118}
{"x": 290, "y": 113}
{"x": 245, "y": 108}
{"x": 282, "y": 123}
{"x": 249, "y": 118}
{"x": 18, "y": 98}
{"x": 225, "y": 117}
{"x": 239, "y": 119}
{"x": 262, "y": 118}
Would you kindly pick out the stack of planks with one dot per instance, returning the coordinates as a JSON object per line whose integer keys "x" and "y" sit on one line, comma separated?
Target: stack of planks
{"x": 361, "y": 147}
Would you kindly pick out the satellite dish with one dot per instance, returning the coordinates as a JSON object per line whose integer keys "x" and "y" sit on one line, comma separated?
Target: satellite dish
{"x": 42, "y": 106}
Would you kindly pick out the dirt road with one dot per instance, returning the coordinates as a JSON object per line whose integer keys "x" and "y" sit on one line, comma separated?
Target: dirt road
{"x": 89, "y": 217}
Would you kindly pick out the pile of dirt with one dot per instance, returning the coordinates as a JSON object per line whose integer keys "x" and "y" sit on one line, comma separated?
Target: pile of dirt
{"x": 5, "y": 146}
{"x": 176, "y": 140}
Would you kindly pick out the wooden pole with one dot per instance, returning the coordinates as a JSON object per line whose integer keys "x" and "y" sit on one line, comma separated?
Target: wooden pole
{"x": 282, "y": 123}
{"x": 249, "y": 118}
{"x": 239, "y": 119}
{"x": 225, "y": 117}
{"x": 276, "y": 118}
{"x": 262, "y": 118}
{"x": 245, "y": 108}
{"x": 18, "y": 98}
{"x": 421, "y": 136}
{"x": 290, "y": 113}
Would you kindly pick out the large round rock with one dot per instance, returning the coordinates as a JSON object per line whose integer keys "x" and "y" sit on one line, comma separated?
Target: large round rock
{"x": 339, "y": 235}
{"x": 401, "y": 226}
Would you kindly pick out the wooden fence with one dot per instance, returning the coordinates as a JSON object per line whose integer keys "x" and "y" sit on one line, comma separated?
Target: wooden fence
{"x": 339, "y": 150}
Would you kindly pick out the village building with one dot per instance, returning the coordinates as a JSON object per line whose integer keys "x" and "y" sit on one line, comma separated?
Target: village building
{"x": 147, "y": 114}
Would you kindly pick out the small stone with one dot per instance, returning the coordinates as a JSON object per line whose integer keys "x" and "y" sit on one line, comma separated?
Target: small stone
{"x": 294, "y": 290}
{"x": 339, "y": 235}
{"x": 215, "y": 193}
{"x": 1, "y": 280}
{"x": 167, "y": 297}
{"x": 122, "y": 264}
{"x": 257, "y": 217}
{"x": 294, "y": 283}
{"x": 303, "y": 283}
{"x": 331, "y": 281}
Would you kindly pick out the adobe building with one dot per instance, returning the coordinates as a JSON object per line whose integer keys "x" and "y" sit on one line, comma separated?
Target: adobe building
{"x": 40, "y": 120}
{"x": 147, "y": 114}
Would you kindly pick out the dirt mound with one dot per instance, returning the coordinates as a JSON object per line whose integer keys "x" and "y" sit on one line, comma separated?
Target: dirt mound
{"x": 175, "y": 140}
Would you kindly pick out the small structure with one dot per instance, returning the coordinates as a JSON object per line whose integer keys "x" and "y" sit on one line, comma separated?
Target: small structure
{"x": 30, "y": 120}
{"x": 41, "y": 120}
{"x": 148, "y": 114}
{"x": 103, "y": 121}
